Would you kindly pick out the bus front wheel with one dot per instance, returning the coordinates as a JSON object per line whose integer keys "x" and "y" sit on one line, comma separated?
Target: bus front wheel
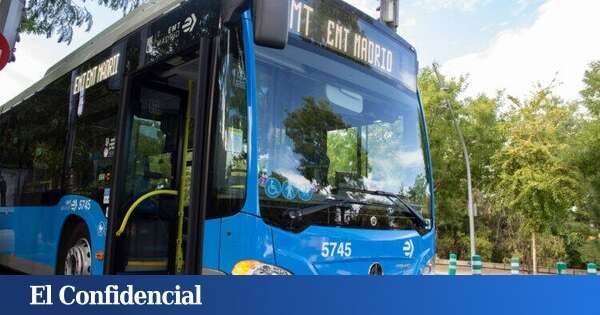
{"x": 76, "y": 253}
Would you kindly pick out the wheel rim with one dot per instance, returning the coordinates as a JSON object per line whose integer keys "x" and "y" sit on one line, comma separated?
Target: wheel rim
{"x": 78, "y": 261}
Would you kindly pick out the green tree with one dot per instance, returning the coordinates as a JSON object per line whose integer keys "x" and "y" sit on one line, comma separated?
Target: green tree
{"x": 58, "y": 17}
{"x": 591, "y": 93}
{"x": 536, "y": 187}
{"x": 480, "y": 123}
{"x": 446, "y": 159}
{"x": 585, "y": 154}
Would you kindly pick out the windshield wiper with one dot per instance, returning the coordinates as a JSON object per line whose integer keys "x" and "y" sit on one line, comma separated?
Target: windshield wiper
{"x": 392, "y": 196}
{"x": 298, "y": 213}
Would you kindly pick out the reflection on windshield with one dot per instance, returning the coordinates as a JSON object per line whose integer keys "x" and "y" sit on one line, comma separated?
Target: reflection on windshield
{"x": 326, "y": 125}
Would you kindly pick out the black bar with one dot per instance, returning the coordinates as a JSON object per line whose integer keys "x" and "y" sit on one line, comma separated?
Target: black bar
{"x": 203, "y": 116}
{"x": 119, "y": 165}
{"x": 67, "y": 178}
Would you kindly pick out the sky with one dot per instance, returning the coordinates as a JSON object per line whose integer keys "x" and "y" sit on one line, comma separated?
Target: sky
{"x": 506, "y": 45}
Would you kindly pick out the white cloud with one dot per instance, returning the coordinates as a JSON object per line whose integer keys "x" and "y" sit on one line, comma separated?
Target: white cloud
{"x": 465, "y": 5}
{"x": 370, "y": 6}
{"x": 408, "y": 22}
{"x": 34, "y": 57}
{"x": 559, "y": 44}
{"x": 367, "y": 6}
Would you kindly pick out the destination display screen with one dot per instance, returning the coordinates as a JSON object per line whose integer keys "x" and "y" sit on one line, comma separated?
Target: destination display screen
{"x": 179, "y": 29}
{"x": 328, "y": 24}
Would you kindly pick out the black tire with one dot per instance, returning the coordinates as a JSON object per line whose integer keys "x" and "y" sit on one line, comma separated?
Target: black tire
{"x": 73, "y": 247}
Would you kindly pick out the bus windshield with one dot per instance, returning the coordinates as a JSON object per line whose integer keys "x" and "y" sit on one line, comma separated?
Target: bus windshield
{"x": 332, "y": 128}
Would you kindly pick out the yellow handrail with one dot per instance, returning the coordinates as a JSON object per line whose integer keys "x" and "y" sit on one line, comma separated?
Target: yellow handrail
{"x": 179, "y": 263}
{"x": 138, "y": 202}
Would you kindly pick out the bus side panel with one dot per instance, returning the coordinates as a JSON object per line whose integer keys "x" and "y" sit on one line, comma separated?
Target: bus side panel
{"x": 30, "y": 236}
{"x": 19, "y": 230}
{"x": 428, "y": 246}
{"x": 212, "y": 244}
{"x": 245, "y": 237}
{"x": 7, "y": 235}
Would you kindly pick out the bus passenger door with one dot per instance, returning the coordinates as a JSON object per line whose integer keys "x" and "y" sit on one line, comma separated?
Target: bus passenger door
{"x": 154, "y": 176}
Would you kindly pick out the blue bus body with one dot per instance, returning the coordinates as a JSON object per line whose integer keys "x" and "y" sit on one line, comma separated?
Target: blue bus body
{"x": 30, "y": 237}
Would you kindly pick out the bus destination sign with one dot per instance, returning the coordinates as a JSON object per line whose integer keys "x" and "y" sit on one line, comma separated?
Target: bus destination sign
{"x": 322, "y": 22}
{"x": 105, "y": 70}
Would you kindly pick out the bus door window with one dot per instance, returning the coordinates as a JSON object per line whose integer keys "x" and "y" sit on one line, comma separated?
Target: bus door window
{"x": 151, "y": 166}
{"x": 153, "y": 143}
{"x": 157, "y": 175}
{"x": 228, "y": 173}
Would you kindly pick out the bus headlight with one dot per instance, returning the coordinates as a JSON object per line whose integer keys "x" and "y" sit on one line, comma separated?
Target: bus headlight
{"x": 429, "y": 268}
{"x": 257, "y": 268}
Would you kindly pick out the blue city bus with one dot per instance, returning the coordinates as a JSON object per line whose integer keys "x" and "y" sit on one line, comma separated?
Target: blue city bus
{"x": 222, "y": 137}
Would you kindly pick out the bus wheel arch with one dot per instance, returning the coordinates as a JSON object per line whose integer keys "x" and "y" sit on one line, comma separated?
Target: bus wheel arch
{"x": 74, "y": 255}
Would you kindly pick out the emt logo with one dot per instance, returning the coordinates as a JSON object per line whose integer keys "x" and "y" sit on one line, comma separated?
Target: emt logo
{"x": 409, "y": 248}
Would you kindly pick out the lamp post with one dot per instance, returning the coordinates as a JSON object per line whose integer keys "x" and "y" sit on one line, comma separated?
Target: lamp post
{"x": 467, "y": 161}
{"x": 390, "y": 13}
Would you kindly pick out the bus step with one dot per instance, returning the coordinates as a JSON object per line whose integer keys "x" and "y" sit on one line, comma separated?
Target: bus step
{"x": 146, "y": 265}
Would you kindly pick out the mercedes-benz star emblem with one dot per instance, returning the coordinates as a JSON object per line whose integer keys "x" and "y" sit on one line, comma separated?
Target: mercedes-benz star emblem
{"x": 376, "y": 270}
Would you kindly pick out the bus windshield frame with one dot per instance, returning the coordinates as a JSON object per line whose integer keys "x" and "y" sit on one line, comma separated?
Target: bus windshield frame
{"x": 332, "y": 96}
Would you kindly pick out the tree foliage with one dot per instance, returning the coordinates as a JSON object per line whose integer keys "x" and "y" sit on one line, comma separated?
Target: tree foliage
{"x": 480, "y": 123}
{"x": 58, "y": 17}
{"x": 534, "y": 179}
{"x": 586, "y": 158}
{"x": 591, "y": 93}
{"x": 536, "y": 169}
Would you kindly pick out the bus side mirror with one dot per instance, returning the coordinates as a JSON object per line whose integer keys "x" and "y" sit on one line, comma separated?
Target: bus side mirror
{"x": 271, "y": 23}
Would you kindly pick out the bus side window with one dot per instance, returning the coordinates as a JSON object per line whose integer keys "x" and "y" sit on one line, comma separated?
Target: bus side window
{"x": 9, "y": 161}
{"x": 33, "y": 143}
{"x": 91, "y": 169}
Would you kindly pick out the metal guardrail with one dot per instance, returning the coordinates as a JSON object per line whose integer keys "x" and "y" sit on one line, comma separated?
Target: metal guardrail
{"x": 464, "y": 268}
